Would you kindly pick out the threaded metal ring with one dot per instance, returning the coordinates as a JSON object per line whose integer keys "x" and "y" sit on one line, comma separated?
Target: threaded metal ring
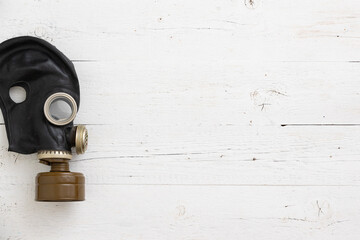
{"x": 60, "y": 96}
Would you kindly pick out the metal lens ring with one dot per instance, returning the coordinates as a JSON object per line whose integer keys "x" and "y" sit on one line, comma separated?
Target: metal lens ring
{"x": 56, "y": 97}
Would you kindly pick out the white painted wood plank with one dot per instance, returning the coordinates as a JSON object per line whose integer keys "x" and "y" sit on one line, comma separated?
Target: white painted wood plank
{"x": 207, "y": 155}
{"x": 261, "y": 93}
{"x": 201, "y": 31}
{"x": 244, "y": 94}
{"x": 179, "y": 212}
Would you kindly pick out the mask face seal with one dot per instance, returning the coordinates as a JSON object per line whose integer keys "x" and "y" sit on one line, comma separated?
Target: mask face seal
{"x": 43, "y": 122}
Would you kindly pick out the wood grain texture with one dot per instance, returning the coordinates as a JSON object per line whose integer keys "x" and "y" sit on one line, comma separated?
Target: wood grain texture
{"x": 207, "y": 120}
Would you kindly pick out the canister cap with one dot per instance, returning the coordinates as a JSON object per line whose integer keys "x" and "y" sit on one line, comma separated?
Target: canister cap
{"x": 60, "y": 186}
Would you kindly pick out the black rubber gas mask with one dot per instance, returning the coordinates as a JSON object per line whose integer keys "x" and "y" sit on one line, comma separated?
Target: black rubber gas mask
{"x": 34, "y": 126}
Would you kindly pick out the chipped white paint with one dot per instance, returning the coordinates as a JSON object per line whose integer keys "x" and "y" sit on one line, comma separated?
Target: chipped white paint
{"x": 207, "y": 120}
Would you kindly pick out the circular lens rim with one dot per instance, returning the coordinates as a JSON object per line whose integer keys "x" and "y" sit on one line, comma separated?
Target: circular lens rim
{"x": 60, "y": 96}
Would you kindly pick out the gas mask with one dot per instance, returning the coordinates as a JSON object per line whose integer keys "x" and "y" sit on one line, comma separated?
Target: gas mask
{"x": 32, "y": 126}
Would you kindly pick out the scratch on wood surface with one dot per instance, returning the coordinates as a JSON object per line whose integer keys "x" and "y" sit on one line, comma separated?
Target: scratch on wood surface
{"x": 251, "y": 4}
{"x": 179, "y": 154}
{"x": 188, "y": 28}
{"x": 262, "y": 97}
{"x": 296, "y": 219}
{"x": 116, "y": 157}
{"x": 181, "y": 210}
{"x": 225, "y": 185}
{"x": 277, "y": 92}
{"x": 337, "y": 222}
{"x": 263, "y": 105}
{"x": 84, "y": 60}
{"x": 233, "y": 22}
{"x": 145, "y": 156}
{"x": 16, "y": 157}
{"x": 319, "y": 124}
{"x": 320, "y": 208}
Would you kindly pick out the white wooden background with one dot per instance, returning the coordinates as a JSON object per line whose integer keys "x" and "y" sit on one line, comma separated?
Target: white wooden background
{"x": 211, "y": 119}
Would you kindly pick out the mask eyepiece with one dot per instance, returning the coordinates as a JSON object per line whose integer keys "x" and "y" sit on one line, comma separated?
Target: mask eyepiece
{"x": 60, "y": 109}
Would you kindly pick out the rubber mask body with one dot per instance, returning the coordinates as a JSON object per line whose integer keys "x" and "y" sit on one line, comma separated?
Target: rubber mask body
{"x": 41, "y": 70}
